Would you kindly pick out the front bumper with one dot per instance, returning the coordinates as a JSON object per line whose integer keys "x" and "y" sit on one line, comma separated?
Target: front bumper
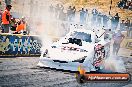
{"x": 69, "y": 66}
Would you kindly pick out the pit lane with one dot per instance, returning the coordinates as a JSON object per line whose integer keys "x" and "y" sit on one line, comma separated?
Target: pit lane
{"x": 21, "y": 72}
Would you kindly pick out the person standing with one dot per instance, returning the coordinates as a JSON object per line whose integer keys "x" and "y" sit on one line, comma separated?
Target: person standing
{"x": 73, "y": 13}
{"x": 127, "y": 26}
{"x": 122, "y": 25}
{"x": 87, "y": 16}
{"x": 7, "y": 2}
{"x": 112, "y": 23}
{"x": 82, "y": 16}
{"x": 51, "y": 11}
{"x": 69, "y": 13}
{"x": 94, "y": 17}
{"x": 57, "y": 10}
{"x": 105, "y": 21}
{"x": 117, "y": 38}
{"x": 61, "y": 13}
{"x": 116, "y": 20}
{"x": 6, "y": 17}
{"x": 99, "y": 17}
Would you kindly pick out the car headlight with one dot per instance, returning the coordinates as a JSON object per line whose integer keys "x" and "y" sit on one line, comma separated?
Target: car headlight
{"x": 45, "y": 53}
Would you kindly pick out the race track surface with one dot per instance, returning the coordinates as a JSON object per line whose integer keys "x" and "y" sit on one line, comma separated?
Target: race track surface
{"x": 23, "y": 72}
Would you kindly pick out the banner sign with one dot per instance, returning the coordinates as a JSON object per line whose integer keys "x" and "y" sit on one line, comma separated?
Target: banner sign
{"x": 19, "y": 45}
{"x": 103, "y": 77}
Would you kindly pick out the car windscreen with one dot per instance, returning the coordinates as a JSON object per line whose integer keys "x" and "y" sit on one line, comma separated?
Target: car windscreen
{"x": 81, "y": 35}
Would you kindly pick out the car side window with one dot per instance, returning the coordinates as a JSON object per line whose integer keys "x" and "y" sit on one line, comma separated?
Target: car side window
{"x": 83, "y": 36}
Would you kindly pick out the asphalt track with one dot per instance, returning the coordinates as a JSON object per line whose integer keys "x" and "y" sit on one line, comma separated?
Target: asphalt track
{"x": 22, "y": 72}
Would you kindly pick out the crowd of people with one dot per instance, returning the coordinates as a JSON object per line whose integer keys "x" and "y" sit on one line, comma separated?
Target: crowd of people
{"x": 125, "y": 4}
{"x": 94, "y": 17}
{"x": 10, "y": 24}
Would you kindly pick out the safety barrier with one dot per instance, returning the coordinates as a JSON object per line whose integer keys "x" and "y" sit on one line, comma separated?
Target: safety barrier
{"x": 14, "y": 45}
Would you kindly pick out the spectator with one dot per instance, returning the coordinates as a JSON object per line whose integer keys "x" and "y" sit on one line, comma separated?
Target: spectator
{"x": 0, "y": 4}
{"x": 121, "y": 4}
{"x": 126, "y": 5}
{"x": 0, "y": 20}
{"x": 28, "y": 28}
{"x": 62, "y": 14}
{"x": 127, "y": 25}
{"x": 122, "y": 25}
{"x": 116, "y": 20}
{"x": 87, "y": 15}
{"x": 112, "y": 23}
{"x": 7, "y": 2}
{"x": 73, "y": 13}
{"x": 69, "y": 13}
{"x": 23, "y": 20}
{"x": 99, "y": 17}
{"x": 21, "y": 27}
{"x": 57, "y": 9}
{"x": 51, "y": 10}
{"x": 130, "y": 33}
{"x": 13, "y": 24}
{"x": 94, "y": 13}
{"x": 130, "y": 6}
{"x": 82, "y": 16}
{"x": 105, "y": 21}
{"x": 6, "y": 17}
{"x": 117, "y": 38}
{"x": 0, "y": 16}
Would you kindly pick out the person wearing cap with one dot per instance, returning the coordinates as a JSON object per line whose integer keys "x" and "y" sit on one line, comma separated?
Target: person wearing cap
{"x": 20, "y": 27}
{"x": 117, "y": 38}
{"x": 6, "y": 17}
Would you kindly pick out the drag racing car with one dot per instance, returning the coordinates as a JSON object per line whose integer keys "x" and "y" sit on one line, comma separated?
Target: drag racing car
{"x": 80, "y": 47}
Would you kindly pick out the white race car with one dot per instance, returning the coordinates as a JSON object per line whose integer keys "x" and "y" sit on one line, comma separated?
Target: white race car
{"x": 80, "y": 47}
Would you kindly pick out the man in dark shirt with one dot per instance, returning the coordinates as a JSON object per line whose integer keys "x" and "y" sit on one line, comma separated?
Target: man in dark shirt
{"x": 82, "y": 16}
{"x": 116, "y": 20}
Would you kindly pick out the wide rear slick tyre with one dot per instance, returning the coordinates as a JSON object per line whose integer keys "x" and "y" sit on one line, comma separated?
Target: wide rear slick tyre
{"x": 81, "y": 78}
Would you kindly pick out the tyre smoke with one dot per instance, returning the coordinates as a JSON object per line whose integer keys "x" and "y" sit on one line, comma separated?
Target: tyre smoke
{"x": 115, "y": 64}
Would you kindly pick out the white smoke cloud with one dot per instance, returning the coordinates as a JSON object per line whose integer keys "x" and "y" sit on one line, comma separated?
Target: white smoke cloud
{"x": 115, "y": 64}
{"x": 44, "y": 24}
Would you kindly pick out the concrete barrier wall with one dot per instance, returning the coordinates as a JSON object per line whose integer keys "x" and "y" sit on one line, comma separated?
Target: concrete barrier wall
{"x": 19, "y": 45}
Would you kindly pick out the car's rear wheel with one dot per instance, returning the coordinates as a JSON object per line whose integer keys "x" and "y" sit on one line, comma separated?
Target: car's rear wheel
{"x": 80, "y": 78}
